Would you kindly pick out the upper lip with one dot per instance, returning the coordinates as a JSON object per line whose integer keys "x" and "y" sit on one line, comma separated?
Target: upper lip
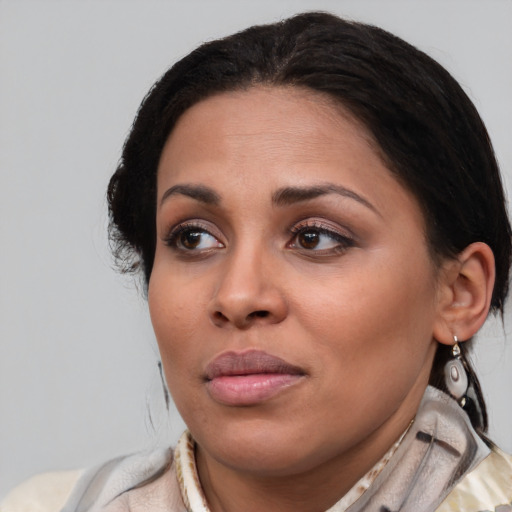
{"x": 247, "y": 363}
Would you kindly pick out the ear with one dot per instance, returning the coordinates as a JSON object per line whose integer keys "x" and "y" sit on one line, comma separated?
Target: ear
{"x": 465, "y": 292}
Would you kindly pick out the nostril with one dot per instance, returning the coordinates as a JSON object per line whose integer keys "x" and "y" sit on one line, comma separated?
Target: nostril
{"x": 241, "y": 321}
{"x": 219, "y": 316}
{"x": 259, "y": 314}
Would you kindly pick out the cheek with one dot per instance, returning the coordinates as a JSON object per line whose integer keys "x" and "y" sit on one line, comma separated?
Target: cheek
{"x": 170, "y": 316}
{"x": 173, "y": 301}
{"x": 385, "y": 313}
{"x": 374, "y": 344}
{"x": 178, "y": 310}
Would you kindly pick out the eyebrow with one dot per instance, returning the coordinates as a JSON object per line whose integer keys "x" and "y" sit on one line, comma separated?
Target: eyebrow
{"x": 291, "y": 195}
{"x": 198, "y": 192}
{"x": 282, "y": 197}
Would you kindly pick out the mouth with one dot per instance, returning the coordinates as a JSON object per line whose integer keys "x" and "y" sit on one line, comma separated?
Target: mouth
{"x": 249, "y": 378}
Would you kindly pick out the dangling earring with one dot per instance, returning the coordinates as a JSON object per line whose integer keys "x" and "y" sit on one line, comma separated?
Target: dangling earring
{"x": 456, "y": 378}
{"x": 164, "y": 385}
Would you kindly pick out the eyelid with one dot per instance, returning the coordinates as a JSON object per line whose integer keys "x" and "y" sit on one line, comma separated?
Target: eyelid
{"x": 175, "y": 230}
{"x": 322, "y": 225}
{"x": 189, "y": 223}
{"x": 344, "y": 237}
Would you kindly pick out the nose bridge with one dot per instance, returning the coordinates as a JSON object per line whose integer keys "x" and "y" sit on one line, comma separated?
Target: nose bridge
{"x": 243, "y": 270}
{"x": 247, "y": 290}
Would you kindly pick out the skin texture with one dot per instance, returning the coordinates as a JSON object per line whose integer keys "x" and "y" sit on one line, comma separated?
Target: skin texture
{"x": 341, "y": 286}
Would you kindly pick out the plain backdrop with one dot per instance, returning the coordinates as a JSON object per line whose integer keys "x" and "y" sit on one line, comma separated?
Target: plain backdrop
{"x": 78, "y": 365}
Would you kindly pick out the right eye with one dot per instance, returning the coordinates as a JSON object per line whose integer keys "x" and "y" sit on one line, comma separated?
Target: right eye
{"x": 192, "y": 238}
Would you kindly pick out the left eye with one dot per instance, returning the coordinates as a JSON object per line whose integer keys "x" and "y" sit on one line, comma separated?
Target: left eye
{"x": 194, "y": 239}
{"x": 319, "y": 239}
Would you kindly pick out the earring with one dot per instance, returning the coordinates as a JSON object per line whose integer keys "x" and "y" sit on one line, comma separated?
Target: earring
{"x": 164, "y": 385}
{"x": 456, "y": 378}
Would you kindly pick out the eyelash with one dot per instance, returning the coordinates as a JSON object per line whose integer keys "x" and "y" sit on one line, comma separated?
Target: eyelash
{"x": 344, "y": 242}
{"x": 172, "y": 240}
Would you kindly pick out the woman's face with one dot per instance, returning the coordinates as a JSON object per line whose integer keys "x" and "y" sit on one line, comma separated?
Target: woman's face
{"x": 292, "y": 295}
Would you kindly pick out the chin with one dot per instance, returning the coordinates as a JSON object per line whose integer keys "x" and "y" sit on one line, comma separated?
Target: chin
{"x": 264, "y": 448}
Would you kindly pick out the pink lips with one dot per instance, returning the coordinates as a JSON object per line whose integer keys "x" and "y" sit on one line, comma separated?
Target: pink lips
{"x": 249, "y": 378}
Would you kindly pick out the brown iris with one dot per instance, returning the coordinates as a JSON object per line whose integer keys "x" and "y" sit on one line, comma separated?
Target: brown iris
{"x": 309, "y": 239}
{"x": 191, "y": 239}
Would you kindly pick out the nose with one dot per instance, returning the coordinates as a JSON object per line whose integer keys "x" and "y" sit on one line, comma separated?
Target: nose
{"x": 248, "y": 292}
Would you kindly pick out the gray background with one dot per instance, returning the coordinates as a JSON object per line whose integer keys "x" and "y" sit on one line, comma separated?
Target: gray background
{"x": 78, "y": 370}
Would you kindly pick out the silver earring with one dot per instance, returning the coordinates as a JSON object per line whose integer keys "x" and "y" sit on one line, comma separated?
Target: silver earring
{"x": 455, "y": 376}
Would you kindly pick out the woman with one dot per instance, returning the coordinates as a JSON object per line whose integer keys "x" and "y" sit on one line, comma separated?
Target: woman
{"x": 320, "y": 222}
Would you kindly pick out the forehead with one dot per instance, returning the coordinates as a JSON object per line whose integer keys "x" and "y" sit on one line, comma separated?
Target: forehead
{"x": 280, "y": 114}
{"x": 270, "y": 125}
{"x": 264, "y": 138}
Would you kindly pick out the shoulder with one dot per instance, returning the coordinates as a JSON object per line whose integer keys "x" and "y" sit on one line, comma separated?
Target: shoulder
{"x": 128, "y": 483}
{"x": 488, "y": 487}
{"x": 46, "y": 492}
{"x": 124, "y": 483}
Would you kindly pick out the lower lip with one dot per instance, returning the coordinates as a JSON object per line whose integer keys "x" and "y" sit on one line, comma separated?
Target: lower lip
{"x": 240, "y": 390}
